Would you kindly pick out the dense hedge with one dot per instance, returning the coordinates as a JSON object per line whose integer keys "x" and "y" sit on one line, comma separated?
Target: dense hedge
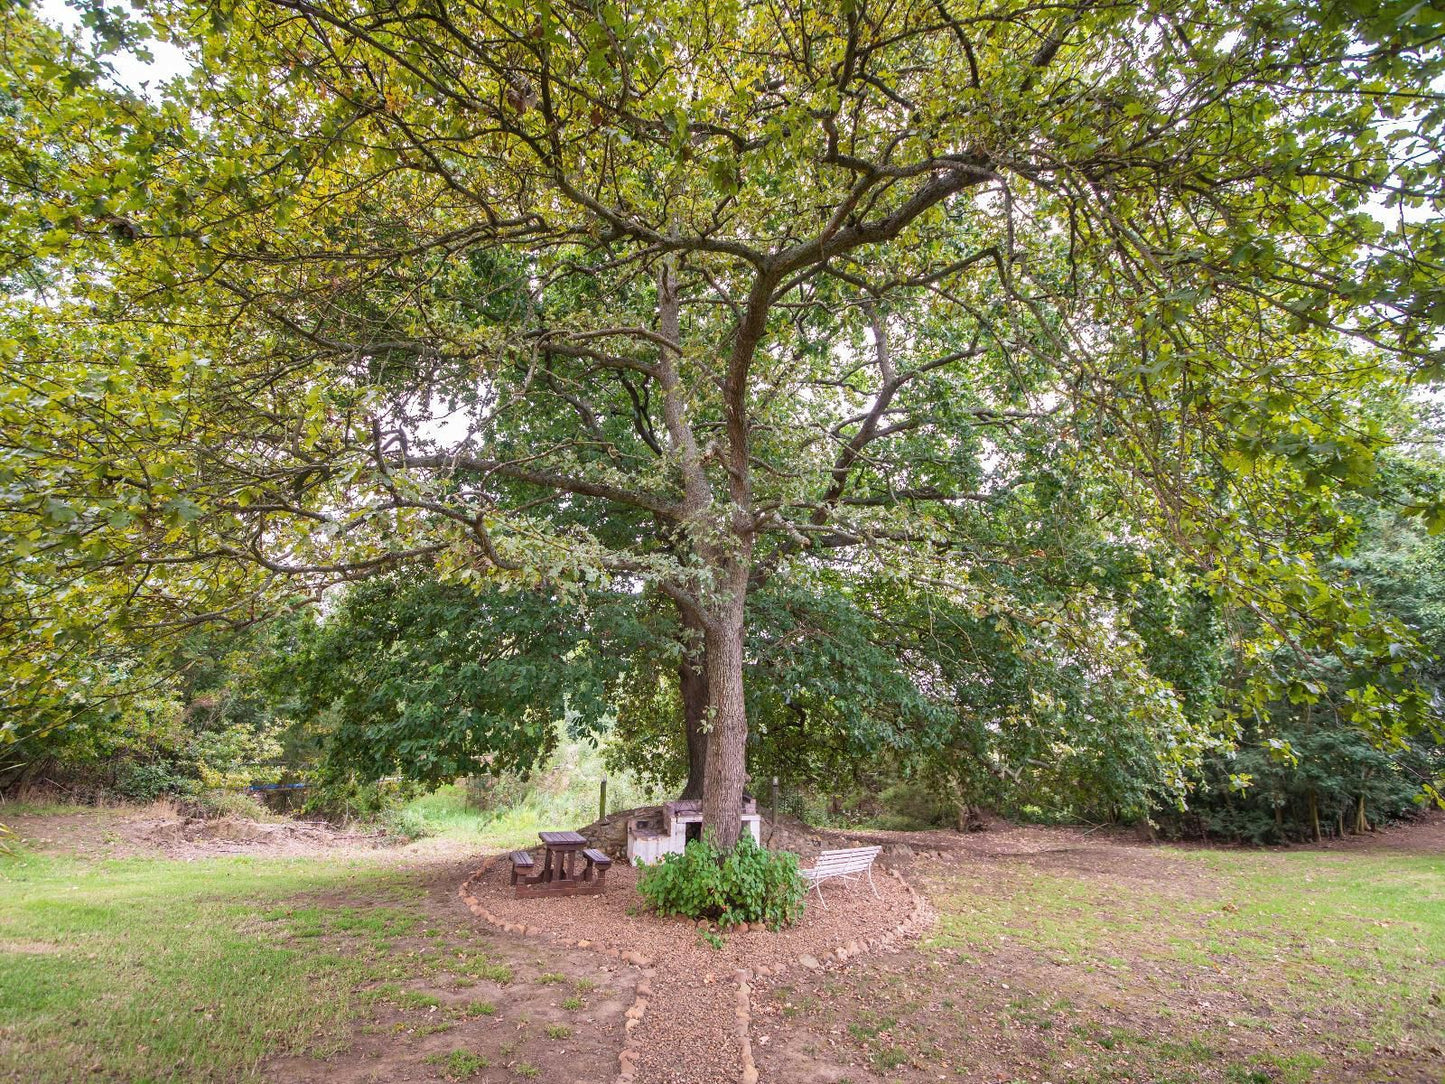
{"x": 1334, "y": 783}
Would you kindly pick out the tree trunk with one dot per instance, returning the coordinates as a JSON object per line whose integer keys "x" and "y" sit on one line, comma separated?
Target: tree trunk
{"x": 722, "y": 802}
{"x": 692, "y": 682}
{"x": 1361, "y": 824}
{"x": 1315, "y": 817}
{"x": 707, "y": 704}
{"x": 722, "y": 537}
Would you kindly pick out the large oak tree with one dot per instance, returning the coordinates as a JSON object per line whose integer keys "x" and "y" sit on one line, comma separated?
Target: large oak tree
{"x": 687, "y": 294}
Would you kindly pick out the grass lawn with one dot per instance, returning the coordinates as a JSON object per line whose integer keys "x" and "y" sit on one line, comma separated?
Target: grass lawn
{"x": 146, "y": 969}
{"x": 1366, "y": 929}
{"x": 143, "y": 968}
{"x": 1068, "y": 960}
{"x": 1115, "y": 964}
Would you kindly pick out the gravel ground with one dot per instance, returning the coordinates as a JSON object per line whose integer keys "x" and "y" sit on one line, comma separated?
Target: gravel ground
{"x": 688, "y": 1035}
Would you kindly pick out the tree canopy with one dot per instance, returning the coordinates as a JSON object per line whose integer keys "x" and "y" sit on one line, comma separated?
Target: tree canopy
{"x": 695, "y": 297}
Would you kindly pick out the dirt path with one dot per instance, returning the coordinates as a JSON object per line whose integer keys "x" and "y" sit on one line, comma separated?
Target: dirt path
{"x": 1422, "y": 836}
{"x": 159, "y": 831}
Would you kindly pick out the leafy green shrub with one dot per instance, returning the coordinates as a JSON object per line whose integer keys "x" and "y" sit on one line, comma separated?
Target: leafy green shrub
{"x": 406, "y": 823}
{"x": 346, "y": 797}
{"x": 1333, "y": 776}
{"x": 214, "y": 803}
{"x": 747, "y": 884}
{"x": 236, "y": 755}
{"x": 495, "y": 792}
{"x": 910, "y": 804}
{"x": 148, "y": 782}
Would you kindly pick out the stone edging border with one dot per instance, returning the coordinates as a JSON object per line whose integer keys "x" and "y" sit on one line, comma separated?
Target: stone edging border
{"x": 922, "y": 917}
{"x": 747, "y": 1068}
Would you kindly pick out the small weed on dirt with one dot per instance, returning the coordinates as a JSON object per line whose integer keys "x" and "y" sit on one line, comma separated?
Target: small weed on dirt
{"x": 459, "y": 1064}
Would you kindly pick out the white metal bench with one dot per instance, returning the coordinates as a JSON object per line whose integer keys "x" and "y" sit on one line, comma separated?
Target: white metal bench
{"x": 847, "y": 866}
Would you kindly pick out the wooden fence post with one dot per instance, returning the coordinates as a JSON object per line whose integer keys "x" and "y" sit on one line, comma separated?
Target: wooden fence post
{"x": 774, "y": 828}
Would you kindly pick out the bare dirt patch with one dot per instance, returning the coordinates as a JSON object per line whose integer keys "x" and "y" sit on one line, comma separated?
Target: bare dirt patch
{"x": 619, "y": 919}
{"x": 1424, "y": 836}
{"x": 195, "y": 837}
{"x": 29, "y": 948}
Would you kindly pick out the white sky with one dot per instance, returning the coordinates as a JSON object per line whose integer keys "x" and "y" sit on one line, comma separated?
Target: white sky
{"x": 130, "y": 72}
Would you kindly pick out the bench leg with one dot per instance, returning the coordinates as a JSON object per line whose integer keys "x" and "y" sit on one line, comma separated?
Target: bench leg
{"x": 818, "y": 886}
{"x": 870, "y": 880}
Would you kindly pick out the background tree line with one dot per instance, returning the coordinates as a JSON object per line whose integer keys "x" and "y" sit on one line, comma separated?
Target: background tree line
{"x": 873, "y": 704}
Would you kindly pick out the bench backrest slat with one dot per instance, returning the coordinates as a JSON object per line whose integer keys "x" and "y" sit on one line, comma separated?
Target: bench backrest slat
{"x": 853, "y": 858}
{"x": 844, "y": 863}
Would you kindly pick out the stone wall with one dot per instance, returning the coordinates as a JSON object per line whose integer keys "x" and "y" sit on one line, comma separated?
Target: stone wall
{"x": 610, "y": 833}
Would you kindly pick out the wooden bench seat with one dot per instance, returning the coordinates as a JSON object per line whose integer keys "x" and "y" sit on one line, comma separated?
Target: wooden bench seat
{"x": 596, "y": 862}
{"x": 845, "y": 865}
{"x": 521, "y": 861}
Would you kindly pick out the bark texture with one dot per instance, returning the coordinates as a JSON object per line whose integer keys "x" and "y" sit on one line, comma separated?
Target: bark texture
{"x": 692, "y": 682}
{"x": 727, "y": 738}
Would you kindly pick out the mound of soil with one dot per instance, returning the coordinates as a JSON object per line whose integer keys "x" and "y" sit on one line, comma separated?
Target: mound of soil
{"x": 241, "y": 835}
{"x": 159, "y": 830}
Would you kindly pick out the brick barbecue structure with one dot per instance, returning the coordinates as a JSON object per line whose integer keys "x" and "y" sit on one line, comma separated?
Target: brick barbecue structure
{"x": 653, "y": 835}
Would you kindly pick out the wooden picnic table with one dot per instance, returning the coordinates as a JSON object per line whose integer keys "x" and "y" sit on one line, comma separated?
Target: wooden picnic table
{"x": 558, "y": 875}
{"x": 562, "y": 848}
